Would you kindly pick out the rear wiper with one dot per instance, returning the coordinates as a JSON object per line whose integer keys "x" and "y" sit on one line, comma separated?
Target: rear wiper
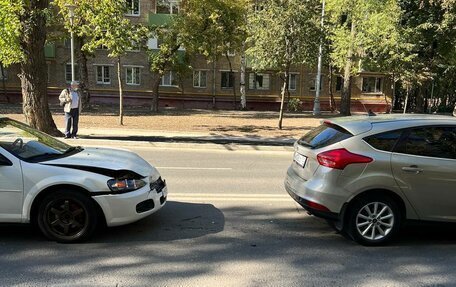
{"x": 73, "y": 148}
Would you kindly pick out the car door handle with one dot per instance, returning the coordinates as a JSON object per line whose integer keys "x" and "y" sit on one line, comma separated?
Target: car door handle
{"x": 412, "y": 169}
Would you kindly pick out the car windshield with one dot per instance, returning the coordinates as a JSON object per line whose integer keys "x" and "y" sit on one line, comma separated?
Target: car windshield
{"x": 30, "y": 144}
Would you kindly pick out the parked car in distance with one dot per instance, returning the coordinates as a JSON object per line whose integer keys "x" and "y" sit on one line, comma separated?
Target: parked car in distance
{"x": 367, "y": 175}
{"x": 68, "y": 191}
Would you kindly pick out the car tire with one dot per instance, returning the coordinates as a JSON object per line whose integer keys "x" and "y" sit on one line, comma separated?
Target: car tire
{"x": 67, "y": 216}
{"x": 374, "y": 220}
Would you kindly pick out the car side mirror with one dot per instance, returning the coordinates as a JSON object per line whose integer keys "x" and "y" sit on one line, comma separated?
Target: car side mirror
{"x": 4, "y": 161}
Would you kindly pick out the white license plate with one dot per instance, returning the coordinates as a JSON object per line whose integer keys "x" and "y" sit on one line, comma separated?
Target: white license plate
{"x": 300, "y": 159}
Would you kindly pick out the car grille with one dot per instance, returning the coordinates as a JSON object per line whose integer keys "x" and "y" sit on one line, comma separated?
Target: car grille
{"x": 158, "y": 185}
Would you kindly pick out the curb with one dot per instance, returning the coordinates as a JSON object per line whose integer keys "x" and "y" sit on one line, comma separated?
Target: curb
{"x": 195, "y": 140}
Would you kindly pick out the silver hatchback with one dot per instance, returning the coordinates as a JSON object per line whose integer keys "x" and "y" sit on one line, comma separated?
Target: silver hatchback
{"x": 367, "y": 175}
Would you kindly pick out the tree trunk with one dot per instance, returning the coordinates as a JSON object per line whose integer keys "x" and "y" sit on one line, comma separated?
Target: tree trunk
{"x": 284, "y": 92}
{"x": 155, "y": 94}
{"x": 345, "y": 100}
{"x": 33, "y": 73}
{"x": 393, "y": 96}
{"x": 83, "y": 71}
{"x": 406, "y": 99}
{"x": 214, "y": 86}
{"x": 232, "y": 76}
{"x": 430, "y": 103}
{"x": 2, "y": 72}
{"x": 242, "y": 82}
{"x": 332, "y": 102}
{"x": 119, "y": 79}
{"x": 419, "y": 105}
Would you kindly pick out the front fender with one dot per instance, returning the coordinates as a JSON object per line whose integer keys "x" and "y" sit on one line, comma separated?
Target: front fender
{"x": 87, "y": 181}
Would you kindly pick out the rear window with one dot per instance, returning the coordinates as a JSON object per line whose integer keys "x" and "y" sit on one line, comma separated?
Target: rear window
{"x": 324, "y": 135}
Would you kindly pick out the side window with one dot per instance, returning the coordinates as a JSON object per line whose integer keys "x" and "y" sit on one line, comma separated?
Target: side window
{"x": 430, "y": 141}
{"x": 384, "y": 141}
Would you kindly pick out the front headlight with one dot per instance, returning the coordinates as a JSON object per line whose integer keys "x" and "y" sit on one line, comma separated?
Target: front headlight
{"x": 125, "y": 185}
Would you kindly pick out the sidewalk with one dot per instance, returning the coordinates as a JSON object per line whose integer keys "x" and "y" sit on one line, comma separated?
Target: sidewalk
{"x": 139, "y": 135}
{"x": 186, "y": 126}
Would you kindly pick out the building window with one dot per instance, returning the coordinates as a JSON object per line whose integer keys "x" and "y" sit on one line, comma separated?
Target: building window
{"x": 168, "y": 80}
{"x": 167, "y": 7}
{"x": 133, "y": 76}
{"x": 313, "y": 84}
{"x": 227, "y": 80}
{"x": 68, "y": 73}
{"x": 100, "y": 38}
{"x": 132, "y": 7}
{"x": 259, "y": 5}
{"x": 339, "y": 83}
{"x": 67, "y": 43}
{"x": 293, "y": 82}
{"x": 258, "y": 81}
{"x": 199, "y": 79}
{"x": 134, "y": 47}
{"x": 103, "y": 75}
{"x": 372, "y": 85}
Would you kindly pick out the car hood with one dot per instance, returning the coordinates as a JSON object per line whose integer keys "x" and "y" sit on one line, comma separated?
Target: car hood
{"x": 109, "y": 162}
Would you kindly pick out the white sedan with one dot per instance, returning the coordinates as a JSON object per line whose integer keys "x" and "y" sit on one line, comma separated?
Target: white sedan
{"x": 68, "y": 191}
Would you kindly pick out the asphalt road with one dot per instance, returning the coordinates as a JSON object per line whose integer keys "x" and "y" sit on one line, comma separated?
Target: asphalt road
{"x": 228, "y": 222}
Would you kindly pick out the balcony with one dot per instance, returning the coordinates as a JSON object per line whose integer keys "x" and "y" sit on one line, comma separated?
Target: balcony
{"x": 159, "y": 19}
{"x": 49, "y": 50}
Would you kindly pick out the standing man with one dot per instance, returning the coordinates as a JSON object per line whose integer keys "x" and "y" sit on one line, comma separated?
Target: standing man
{"x": 70, "y": 99}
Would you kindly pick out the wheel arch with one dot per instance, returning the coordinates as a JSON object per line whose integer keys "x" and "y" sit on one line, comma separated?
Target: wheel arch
{"x": 380, "y": 191}
{"x": 56, "y": 188}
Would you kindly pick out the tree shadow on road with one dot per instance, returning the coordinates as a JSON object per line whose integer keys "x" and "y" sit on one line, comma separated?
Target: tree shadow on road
{"x": 277, "y": 239}
{"x": 175, "y": 221}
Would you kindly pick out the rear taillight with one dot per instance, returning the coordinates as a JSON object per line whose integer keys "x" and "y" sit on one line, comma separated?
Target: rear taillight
{"x": 340, "y": 158}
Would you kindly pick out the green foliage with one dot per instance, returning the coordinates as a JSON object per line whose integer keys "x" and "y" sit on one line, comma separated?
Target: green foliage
{"x": 213, "y": 27}
{"x": 166, "y": 56}
{"x": 295, "y": 105}
{"x": 283, "y": 33}
{"x": 10, "y": 32}
{"x": 377, "y": 42}
{"x": 103, "y": 23}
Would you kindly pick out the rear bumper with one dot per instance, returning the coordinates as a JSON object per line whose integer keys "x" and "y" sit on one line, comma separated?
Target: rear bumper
{"x": 318, "y": 195}
{"x": 319, "y": 213}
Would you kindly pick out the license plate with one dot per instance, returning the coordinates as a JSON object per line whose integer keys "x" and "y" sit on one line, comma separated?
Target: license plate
{"x": 300, "y": 159}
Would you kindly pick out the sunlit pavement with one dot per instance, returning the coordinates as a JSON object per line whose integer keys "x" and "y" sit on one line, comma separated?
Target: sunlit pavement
{"x": 228, "y": 222}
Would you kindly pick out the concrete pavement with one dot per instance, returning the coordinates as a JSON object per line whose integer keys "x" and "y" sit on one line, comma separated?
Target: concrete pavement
{"x": 228, "y": 222}
{"x": 141, "y": 135}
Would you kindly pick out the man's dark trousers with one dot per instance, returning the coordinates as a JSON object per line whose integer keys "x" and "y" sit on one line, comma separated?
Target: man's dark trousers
{"x": 72, "y": 119}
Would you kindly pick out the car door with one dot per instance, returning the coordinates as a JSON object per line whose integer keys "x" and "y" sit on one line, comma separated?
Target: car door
{"x": 11, "y": 188}
{"x": 424, "y": 166}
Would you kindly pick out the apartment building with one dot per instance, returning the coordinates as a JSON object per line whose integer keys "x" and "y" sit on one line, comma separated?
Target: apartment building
{"x": 207, "y": 86}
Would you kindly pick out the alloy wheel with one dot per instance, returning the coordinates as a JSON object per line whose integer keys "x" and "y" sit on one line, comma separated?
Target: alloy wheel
{"x": 66, "y": 218}
{"x": 375, "y": 221}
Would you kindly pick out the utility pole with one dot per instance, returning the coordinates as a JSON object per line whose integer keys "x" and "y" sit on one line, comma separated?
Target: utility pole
{"x": 316, "y": 109}
{"x": 71, "y": 8}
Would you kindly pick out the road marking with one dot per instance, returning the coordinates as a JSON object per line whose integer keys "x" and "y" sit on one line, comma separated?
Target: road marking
{"x": 194, "y": 168}
{"x": 256, "y": 195}
{"x": 230, "y": 197}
